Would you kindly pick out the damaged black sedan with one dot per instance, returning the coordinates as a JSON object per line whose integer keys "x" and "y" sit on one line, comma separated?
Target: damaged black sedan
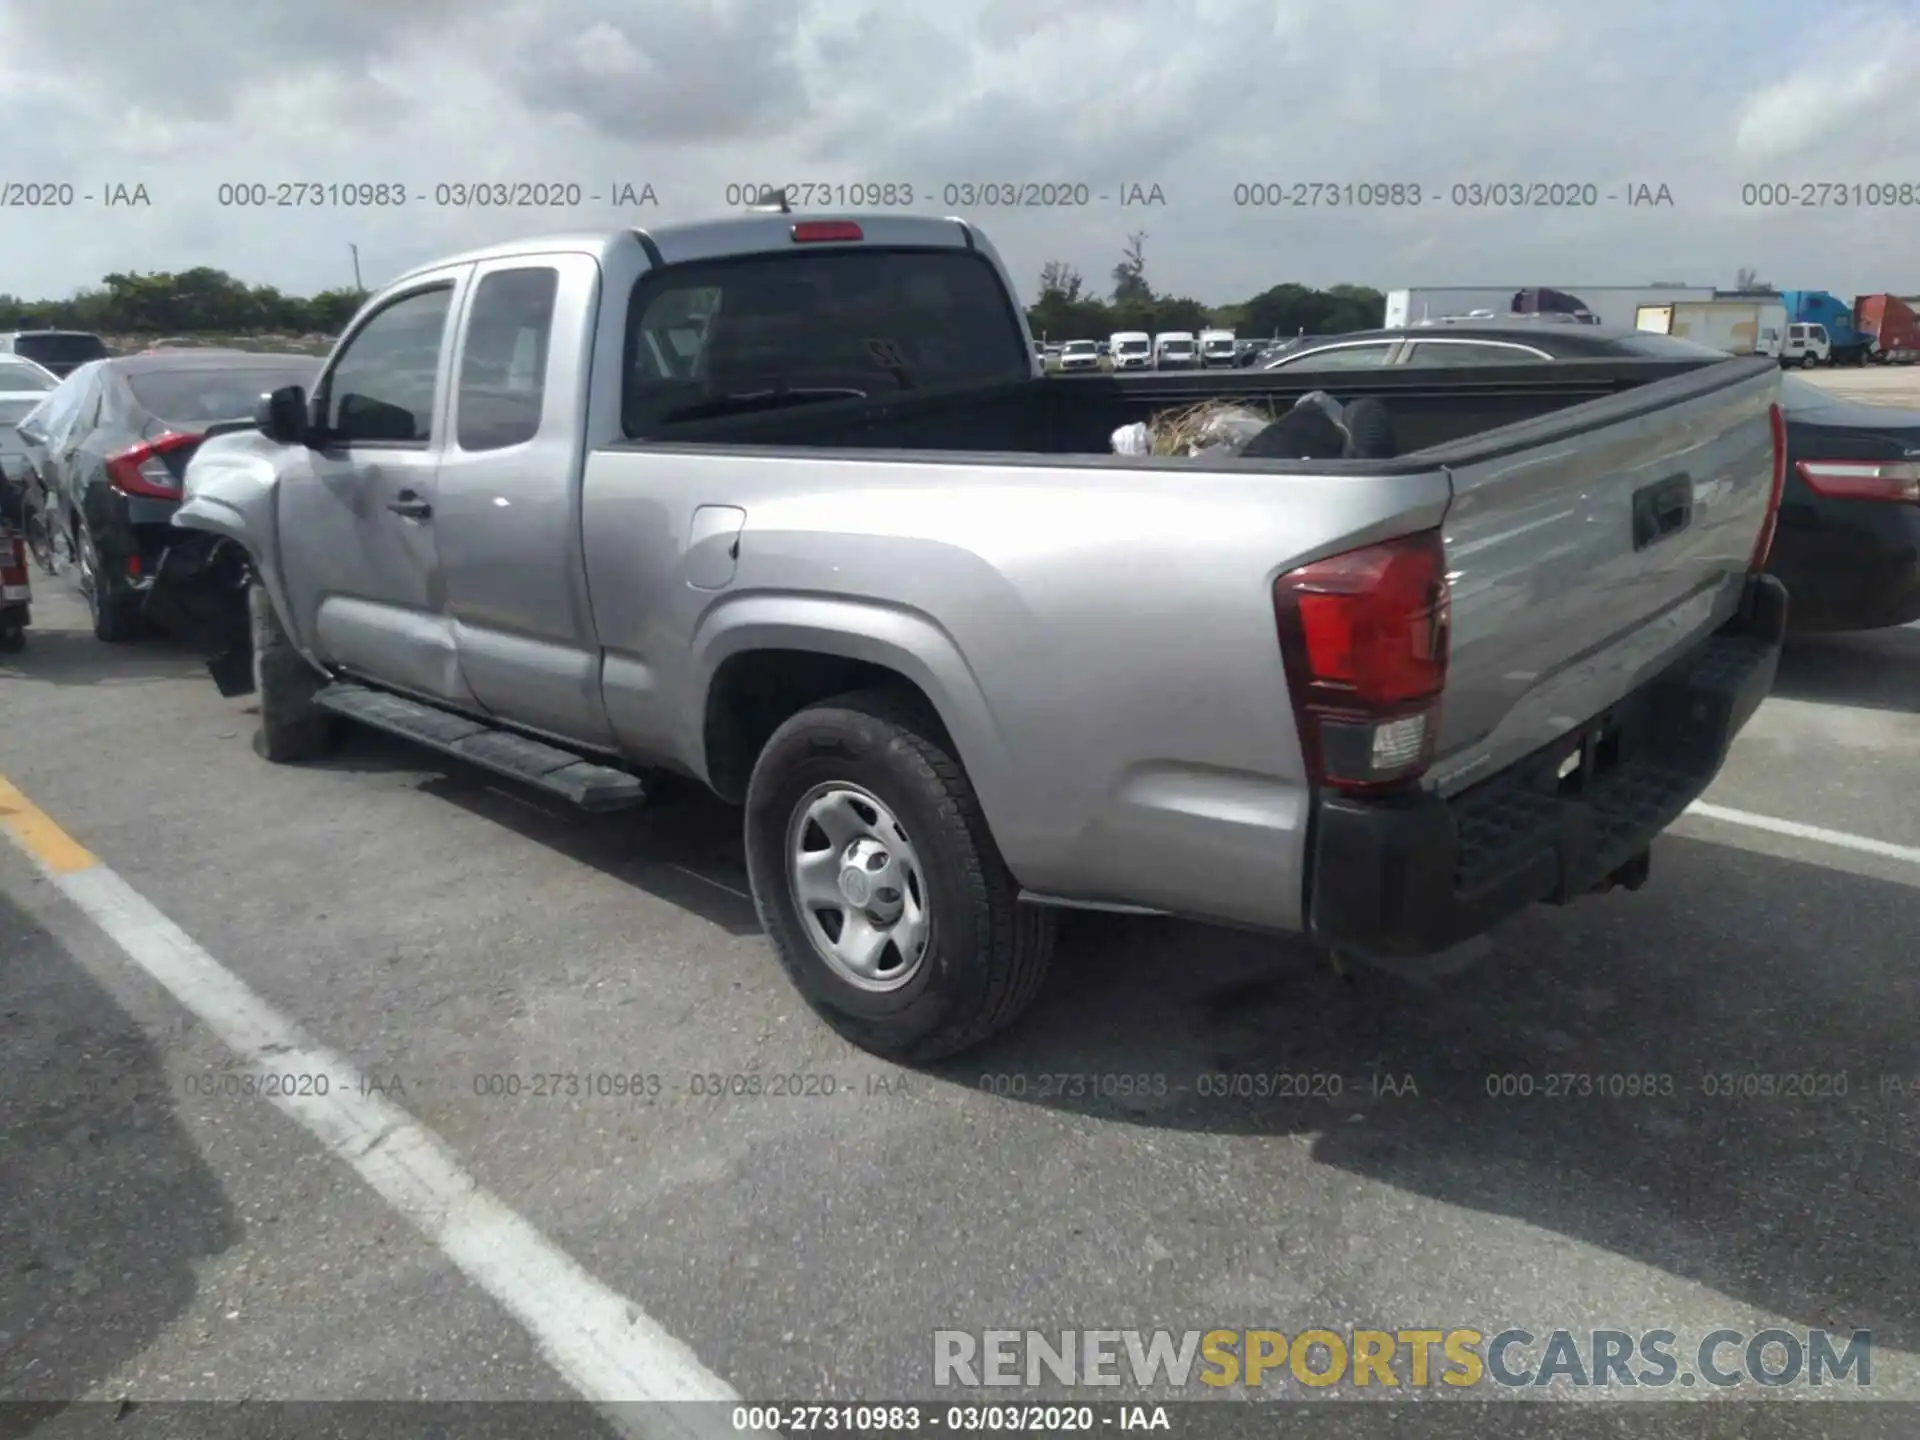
{"x": 119, "y": 434}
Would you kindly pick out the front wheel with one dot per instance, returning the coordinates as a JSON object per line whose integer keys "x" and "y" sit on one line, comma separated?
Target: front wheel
{"x": 37, "y": 523}
{"x": 880, "y": 886}
{"x": 1808, "y": 361}
{"x": 292, "y": 727}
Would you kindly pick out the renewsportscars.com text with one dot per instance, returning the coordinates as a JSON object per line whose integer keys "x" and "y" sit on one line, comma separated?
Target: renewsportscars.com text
{"x": 1458, "y": 1358}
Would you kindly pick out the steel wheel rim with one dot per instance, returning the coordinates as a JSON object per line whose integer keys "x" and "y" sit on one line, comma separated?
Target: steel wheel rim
{"x": 858, "y": 886}
{"x": 89, "y": 574}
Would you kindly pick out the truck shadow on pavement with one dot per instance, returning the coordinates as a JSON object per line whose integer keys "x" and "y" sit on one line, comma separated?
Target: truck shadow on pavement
{"x": 1769, "y": 1005}
{"x": 1876, "y": 669}
{"x": 75, "y": 657}
{"x": 106, "y": 1205}
{"x": 682, "y": 847}
{"x": 1718, "y": 1076}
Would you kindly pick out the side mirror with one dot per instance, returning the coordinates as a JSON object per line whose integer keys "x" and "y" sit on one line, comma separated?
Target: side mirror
{"x": 283, "y": 416}
{"x": 30, "y": 432}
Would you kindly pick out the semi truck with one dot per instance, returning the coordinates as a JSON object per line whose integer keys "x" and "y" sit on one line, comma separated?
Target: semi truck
{"x": 1739, "y": 327}
{"x": 1890, "y": 328}
{"x": 1846, "y": 345}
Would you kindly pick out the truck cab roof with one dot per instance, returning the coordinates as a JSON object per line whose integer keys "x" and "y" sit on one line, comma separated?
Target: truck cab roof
{"x": 719, "y": 238}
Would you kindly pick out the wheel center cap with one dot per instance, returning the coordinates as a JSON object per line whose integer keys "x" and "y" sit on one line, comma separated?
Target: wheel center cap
{"x": 856, "y": 886}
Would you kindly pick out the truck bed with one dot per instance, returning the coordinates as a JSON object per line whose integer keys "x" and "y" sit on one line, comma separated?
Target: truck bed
{"x": 1077, "y": 415}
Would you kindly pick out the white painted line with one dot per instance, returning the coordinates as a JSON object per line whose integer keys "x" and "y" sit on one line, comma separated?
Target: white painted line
{"x": 605, "y": 1346}
{"x": 1840, "y": 838}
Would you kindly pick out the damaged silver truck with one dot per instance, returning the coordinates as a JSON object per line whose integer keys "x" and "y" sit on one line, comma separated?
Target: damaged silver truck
{"x": 784, "y": 504}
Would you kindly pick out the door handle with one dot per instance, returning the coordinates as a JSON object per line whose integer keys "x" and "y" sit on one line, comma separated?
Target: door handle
{"x": 409, "y": 504}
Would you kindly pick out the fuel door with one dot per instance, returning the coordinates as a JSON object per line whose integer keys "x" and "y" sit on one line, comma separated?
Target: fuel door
{"x": 713, "y": 546}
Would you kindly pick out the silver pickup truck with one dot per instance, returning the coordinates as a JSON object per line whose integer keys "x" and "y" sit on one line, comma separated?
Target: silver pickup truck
{"x": 785, "y": 504}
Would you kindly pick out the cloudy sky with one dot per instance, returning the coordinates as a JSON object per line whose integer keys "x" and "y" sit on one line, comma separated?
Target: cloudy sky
{"x": 1197, "y": 97}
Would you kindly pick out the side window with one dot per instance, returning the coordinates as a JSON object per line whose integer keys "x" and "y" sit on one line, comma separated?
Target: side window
{"x": 381, "y": 388}
{"x": 1346, "y": 357}
{"x": 1433, "y": 354}
{"x": 503, "y": 370}
{"x": 90, "y": 407}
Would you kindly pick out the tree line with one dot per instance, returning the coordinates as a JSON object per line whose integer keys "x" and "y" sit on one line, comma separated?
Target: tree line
{"x": 192, "y": 302}
{"x": 205, "y": 301}
{"x": 1066, "y": 310}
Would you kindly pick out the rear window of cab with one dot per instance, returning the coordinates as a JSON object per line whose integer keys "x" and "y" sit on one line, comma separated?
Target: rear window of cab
{"x": 835, "y": 323}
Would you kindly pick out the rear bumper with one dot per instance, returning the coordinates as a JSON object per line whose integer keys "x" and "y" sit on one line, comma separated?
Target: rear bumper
{"x": 1412, "y": 876}
{"x": 1849, "y": 564}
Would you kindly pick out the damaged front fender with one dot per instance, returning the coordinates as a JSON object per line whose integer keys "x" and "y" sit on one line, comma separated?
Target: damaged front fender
{"x": 231, "y": 491}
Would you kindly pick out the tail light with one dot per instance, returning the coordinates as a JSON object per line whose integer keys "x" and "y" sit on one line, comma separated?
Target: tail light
{"x": 1364, "y": 638}
{"x": 143, "y": 470}
{"x": 1763, "y": 547}
{"x": 1896, "y": 480}
{"x": 13, "y": 565}
{"x": 812, "y": 232}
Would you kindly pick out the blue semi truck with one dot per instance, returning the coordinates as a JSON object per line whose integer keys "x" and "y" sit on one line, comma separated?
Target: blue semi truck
{"x": 1832, "y": 314}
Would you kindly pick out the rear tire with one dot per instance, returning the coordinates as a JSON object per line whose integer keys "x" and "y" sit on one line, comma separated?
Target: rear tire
{"x": 292, "y": 727}
{"x": 13, "y": 633}
{"x": 114, "y": 608}
{"x": 984, "y": 954}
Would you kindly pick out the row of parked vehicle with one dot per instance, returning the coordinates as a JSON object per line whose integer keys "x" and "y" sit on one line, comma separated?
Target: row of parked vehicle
{"x": 1139, "y": 350}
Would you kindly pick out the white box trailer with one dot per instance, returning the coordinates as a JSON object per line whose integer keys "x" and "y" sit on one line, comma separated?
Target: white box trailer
{"x": 1613, "y": 305}
{"x": 1739, "y": 327}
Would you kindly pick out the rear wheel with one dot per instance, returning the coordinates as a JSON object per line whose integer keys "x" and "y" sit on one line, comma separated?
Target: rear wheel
{"x": 880, "y": 886}
{"x": 292, "y": 727}
{"x": 114, "y": 608}
{"x": 13, "y": 631}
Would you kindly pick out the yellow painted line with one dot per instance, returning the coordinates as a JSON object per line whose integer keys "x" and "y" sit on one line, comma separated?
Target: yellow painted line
{"x": 33, "y": 831}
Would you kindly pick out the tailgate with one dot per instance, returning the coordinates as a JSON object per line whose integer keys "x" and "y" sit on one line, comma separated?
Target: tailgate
{"x": 1590, "y": 549}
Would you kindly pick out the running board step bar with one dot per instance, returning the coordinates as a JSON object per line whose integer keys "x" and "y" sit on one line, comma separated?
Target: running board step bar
{"x": 547, "y": 767}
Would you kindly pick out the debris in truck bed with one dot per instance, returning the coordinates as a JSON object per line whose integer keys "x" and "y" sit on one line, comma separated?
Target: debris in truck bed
{"x": 1213, "y": 425}
{"x": 1315, "y": 427}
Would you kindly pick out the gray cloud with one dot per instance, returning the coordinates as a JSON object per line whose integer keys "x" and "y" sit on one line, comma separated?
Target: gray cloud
{"x": 666, "y": 72}
{"x": 1197, "y": 96}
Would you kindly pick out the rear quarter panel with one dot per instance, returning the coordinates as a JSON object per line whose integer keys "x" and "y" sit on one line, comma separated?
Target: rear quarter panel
{"x": 1098, "y": 639}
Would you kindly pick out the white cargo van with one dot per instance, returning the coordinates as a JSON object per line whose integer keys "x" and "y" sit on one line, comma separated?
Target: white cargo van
{"x": 1130, "y": 350}
{"x": 1175, "y": 350}
{"x": 1218, "y": 347}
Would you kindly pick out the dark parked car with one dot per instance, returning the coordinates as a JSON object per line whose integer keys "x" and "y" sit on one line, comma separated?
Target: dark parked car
{"x": 61, "y": 351}
{"x": 1475, "y": 341}
{"x": 112, "y": 444}
{"x": 1848, "y": 543}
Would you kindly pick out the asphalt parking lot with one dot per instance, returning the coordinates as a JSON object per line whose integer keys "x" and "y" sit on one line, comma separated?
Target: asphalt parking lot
{"x": 1871, "y": 384}
{"x": 166, "y": 1236}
